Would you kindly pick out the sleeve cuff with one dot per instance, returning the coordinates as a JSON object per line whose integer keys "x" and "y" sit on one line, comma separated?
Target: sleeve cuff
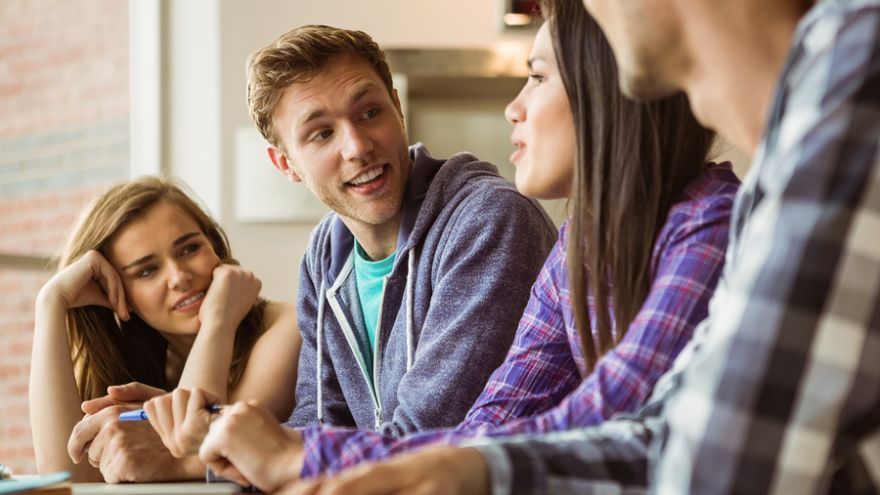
{"x": 500, "y": 467}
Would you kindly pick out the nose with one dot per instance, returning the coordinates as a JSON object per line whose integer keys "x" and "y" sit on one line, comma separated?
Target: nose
{"x": 179, "y": 277}
{"x": 515, "y": 111}
{"x": 356, "y": 144}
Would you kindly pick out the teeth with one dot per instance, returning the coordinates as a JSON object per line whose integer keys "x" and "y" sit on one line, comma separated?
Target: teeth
{"x": 367, "y": 177}
{"x": 189, "y": 300}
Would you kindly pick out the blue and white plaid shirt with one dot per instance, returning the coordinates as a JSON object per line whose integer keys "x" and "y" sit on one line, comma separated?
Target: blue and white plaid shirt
{"x": 779, "y": 391}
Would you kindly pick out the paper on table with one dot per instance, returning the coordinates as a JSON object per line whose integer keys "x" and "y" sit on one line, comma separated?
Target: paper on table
{"x": 21, "y": 484}
{"x": 193, "y": 488}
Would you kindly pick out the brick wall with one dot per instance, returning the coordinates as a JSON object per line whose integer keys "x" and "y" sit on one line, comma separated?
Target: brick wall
{"x": 63, "y": 136}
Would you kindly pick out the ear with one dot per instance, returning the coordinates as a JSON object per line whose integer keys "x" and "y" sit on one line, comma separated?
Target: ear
{"x": 280, "y": 161}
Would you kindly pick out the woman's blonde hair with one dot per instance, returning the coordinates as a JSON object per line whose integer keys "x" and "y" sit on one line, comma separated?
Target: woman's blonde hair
{"x": 106, "y": 351}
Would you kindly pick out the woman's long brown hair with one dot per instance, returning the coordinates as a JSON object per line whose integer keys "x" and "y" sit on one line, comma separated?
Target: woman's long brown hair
{"x": 106, "y": 351}
{"x": 633, "y": 161}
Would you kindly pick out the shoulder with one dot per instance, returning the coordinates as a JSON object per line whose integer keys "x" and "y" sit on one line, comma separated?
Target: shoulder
{"x": 321, "y": 233}
{"x": 278, "y": 314}
{"x": 703, "y": 211}
{"x": 709, "y": 196}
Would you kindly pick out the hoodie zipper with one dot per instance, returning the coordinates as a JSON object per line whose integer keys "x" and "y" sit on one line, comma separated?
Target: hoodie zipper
{"x": 380, "y": 417}
{"x": 350, "y": 338}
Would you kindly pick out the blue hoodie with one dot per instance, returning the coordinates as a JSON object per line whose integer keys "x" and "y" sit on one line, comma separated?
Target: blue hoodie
{"x": 469, "y": 248}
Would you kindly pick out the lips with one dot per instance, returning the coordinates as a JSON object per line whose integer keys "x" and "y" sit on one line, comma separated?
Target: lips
{"x": 518, "y": 152}
{"x": 370, "y": 181}
{"x": 190, "y": 300}
{"x": 368, "y": 175}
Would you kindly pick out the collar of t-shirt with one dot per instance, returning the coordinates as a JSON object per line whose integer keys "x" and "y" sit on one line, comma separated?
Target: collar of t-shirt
{"x": 370, "y": 276}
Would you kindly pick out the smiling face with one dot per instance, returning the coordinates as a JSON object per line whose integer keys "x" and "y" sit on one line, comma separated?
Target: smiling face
{"x": 344, "y": 138}
{"x": 166, "y": 264}
{"x": 543, "y": 127}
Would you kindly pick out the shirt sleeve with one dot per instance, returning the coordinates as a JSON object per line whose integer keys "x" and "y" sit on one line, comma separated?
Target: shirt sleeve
{"x": 781, "y": 394}
{"x": 485, "y": 265}
{"x": 539, "y": 370}
{"x": 787, "y": 389}
{"x": 687, "y": 272}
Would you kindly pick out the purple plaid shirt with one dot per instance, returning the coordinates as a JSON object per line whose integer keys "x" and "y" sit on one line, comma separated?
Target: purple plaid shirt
{"x": 540, "y": 387}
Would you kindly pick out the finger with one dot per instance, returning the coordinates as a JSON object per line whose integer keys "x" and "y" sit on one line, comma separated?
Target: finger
{"x": 163, "y": 416}
{"x": 196, "y": 406}
{"x": 153, "y": 417}
{"x": 112, "y": 285}
{"x": 225, "y": 469}
{"x": 207, "y": 397}
{"x": 94, "y": 405}
{"x": 179, "y": 402}
{"x": 134, "y": 392}
{"x": 85, "y": 431}
{"x": 97, "y": 450}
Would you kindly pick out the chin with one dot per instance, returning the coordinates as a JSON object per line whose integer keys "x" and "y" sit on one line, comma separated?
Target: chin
{"x": 640, "y": 87}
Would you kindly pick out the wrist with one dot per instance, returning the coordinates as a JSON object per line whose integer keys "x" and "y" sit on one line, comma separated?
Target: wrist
{"x": 475, "y": 471}
{"x": 217, "y": 324}
{"x": 189, "y": 468}
{"x": 49, "y": 298}
{"x": 290, "y": 463}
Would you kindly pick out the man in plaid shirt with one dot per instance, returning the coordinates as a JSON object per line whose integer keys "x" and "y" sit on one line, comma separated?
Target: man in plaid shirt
{"x": 779, "y": 391}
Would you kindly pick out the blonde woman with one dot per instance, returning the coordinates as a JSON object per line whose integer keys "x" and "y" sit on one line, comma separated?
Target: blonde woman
{"x": 147, "y": 291}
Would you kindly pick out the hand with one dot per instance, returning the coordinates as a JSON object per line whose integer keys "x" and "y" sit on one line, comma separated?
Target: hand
{"x": 131, "y": 394}
{"x": 89, "y": 281}
{"x": 127, "y": 451}
{"x": 232, "y": 294}
{"x": 181, "y": 419}
{"x": 247, "y": 445}
{"x": 434, "y": 471}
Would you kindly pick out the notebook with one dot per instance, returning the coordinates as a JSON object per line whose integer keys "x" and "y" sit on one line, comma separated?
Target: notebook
{"x": 55, "y": 483}
{"x": 188, "y": 488}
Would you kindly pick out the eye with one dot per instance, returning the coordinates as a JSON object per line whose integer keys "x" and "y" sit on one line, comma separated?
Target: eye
{"x": 145, "y": 272}
{"x": 190, "y": 248}
{"x": 322, "y": 135}
{"x": 369, "y": 114}
{"x": 537, "y": 78}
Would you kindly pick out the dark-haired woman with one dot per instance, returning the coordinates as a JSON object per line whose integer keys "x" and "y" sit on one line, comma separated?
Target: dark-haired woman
{"x": 620, "y": 295}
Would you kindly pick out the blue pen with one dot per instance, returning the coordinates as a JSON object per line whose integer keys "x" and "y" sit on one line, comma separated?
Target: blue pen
{"x": 141, "y": 415}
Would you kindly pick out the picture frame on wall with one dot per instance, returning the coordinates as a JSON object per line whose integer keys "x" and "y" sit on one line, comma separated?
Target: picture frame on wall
{"x": 521, "y": 14}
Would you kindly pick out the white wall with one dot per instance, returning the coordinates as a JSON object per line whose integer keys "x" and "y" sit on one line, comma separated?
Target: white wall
{"x": 205, "y": 44}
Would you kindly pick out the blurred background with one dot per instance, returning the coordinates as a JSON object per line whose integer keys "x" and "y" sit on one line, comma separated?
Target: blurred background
{"x": 93, "y": 92}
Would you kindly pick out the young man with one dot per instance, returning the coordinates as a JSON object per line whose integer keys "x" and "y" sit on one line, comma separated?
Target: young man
{"x": 779, "y": 392}
{"x": 410, "y": 293}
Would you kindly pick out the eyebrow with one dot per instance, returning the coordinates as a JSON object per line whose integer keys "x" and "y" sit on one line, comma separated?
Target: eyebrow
{"x": 140, "y": 261}
{"x": 357, "y": 96}
{"x": 530, "y": 62}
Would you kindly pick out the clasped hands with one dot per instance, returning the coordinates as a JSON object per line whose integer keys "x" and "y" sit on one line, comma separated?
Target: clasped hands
{"x": 244, "y": 444}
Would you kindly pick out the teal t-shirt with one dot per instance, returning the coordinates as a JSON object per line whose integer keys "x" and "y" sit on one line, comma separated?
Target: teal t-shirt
{"x": 370, "y": 276}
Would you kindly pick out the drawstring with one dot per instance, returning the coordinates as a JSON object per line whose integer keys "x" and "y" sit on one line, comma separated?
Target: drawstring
{"x": 320, "y": 358}
{"x": 410, "y": 338}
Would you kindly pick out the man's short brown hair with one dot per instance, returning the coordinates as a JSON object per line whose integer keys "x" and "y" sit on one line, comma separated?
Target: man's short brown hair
{"x": 296, "y": 57}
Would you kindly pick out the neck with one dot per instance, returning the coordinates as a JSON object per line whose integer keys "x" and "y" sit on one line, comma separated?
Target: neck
{"x": 378, "y": 241}
{"x": 737, "y": 51}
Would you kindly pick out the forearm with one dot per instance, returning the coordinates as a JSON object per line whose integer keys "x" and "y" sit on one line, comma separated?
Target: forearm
{"x": 611, "y": 459}
{"x": 208, "y": 362}
{"x": 53, "y": 397}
